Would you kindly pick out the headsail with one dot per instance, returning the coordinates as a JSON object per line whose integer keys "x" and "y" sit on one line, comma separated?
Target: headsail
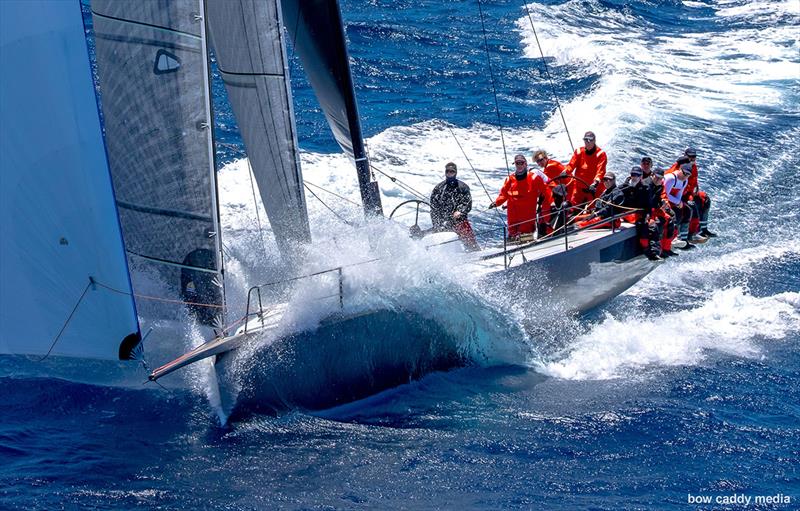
{"x": 248, "y": 42}
{"x": 153, "y": 77}
{"x": 58, "y": 222}
{"x": 318, "y": 36}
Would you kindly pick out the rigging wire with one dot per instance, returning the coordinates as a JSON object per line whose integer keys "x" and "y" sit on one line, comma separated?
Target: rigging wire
{"x": 69, "y": 318}
{"x": 494, "y": 87}
{"x": 337, "y": 215}
{"x": 402, "y": 185}
{"x": 306, "y": 181}
{"x": 549, "y": 77}
{"x": 500, "y": 216}
{"x": 255, "y": 204}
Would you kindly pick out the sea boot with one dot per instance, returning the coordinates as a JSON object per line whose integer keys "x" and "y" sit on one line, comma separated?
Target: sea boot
{"x": 668, "y": 253}
{"x": 708, "y": 234}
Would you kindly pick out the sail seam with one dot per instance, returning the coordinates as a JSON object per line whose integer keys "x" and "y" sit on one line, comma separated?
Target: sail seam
{"x": 234, "y": 73}
{"x": 141, "y": 23}
{"x": 173, "y": 263}
{"x": 163, "y": 212}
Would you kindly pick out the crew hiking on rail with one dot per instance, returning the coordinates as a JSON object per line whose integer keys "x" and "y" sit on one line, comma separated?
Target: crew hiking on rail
{"x": 668, "y": 208}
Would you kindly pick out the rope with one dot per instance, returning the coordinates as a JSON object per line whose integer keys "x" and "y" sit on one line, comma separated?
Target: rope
{"x": 326, "y": 206}
{"x": 475, "y": 171}
{"x": 158, "y": 298}
{"x": 69, "y": 318}
{"x": 549, "y": 77}
{"x": 494, "y": 88}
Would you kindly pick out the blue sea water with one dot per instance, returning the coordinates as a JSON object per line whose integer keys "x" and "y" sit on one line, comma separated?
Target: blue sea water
{"x": 687, "y": 384}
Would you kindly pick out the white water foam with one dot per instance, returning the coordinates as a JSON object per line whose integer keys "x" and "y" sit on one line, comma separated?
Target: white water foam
{"x": 730, "y": 322}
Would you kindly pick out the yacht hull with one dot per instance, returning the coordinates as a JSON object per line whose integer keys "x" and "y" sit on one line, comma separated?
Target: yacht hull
{"x": 349, "y": 358}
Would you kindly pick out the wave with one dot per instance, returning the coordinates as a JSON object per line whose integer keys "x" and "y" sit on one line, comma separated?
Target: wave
{"x": 730, "y": 322}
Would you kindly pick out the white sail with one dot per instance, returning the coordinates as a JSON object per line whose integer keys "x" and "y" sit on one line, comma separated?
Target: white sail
{"x": 58, "y": 222}
{"x": 247, "y": 37}
{"x": 154, "y": 88}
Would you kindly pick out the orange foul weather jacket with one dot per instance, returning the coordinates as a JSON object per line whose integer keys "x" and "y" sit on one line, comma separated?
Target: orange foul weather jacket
{"x": 589, "y": 167}
{"x": 523, "y": 196}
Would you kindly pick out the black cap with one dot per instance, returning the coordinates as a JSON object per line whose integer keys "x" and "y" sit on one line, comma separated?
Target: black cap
{"x": 589, "y": 135}
{"x": 647, "y": 159}
{"x": 610, "y": 175}
{"x": 658, "y": 171}
{"x": 683, "y": 160}
{"x": 691, "y": 152}
{"x": 636, "y": 171}
{"x": 450, "y": 166}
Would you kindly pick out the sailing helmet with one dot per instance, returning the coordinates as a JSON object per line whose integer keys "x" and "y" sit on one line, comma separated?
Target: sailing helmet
{"x": 690, "y": 152}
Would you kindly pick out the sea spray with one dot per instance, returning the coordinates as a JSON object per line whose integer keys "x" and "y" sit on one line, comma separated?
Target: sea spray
{"x": 730, "y": 322}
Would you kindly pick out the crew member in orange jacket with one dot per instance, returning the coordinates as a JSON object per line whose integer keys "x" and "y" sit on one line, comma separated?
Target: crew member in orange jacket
{"x": 554, "y": 175}
{"x": 589, "y": 164}
{"x": 522, "y": 191}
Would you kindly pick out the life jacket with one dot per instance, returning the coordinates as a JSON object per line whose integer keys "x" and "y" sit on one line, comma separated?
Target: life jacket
{"x": 692, "y": 183}
{"x": 674, "y": 188}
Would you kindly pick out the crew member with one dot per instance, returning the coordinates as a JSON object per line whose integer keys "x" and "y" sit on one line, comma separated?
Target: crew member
{"x": 637, "y": 196}
{"x": 522, "y": 191}
{"x": 675, "y": 184}
{"x": 555, "y": 171}
{"x": 451, "y": 201}
{"x": 647, "y": 167}
{"x": 698, "y": 200}
{"x": 609, "y": 204}
{"x": 662, "y": 218}
{"x": 589, "y": 165}
{"x": 562, "y": 208}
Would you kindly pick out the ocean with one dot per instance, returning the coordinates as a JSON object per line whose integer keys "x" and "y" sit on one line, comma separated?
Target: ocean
{"x": 681, "y": 393}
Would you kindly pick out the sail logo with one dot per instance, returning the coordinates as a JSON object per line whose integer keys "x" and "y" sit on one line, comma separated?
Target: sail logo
{"x": 166, "y": 62}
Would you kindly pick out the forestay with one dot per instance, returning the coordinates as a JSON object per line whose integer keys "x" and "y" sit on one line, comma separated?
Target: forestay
{"x": 58, "y": 222}
{"x": 247, "y": 38}
{"x": 153, "y": 78}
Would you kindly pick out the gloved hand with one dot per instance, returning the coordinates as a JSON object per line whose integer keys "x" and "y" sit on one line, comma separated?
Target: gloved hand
{"x": 690, "y": 203}
{"x": 492, "y": 205}
{"x": 592, "y": 188}
{"x": 563, "y": 175}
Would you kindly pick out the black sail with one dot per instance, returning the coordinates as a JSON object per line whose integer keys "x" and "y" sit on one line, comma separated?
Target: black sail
{"x": 317, "y": 33}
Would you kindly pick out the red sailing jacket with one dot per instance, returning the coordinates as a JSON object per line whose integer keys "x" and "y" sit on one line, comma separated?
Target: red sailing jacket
{"x": 589, "y": 167}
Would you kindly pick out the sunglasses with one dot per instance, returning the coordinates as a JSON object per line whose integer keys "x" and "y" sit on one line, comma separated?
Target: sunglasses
{"x": 449, "y": 171}
{"x": 607, "y": 179}
{"x": 540, "y": 160}
{"x": 588, "y": 140}
{"x": 520, "y": 162}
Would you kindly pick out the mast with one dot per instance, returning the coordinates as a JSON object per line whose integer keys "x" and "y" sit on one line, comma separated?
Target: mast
{"x": 318, "y": 36}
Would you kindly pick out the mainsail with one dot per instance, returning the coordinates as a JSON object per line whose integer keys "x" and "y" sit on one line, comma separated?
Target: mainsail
{"x": 153, "y": 79}
{"x": 58, "y": 221}
{"x": 248, "y": 42}
{"x": 317, "y": 33}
